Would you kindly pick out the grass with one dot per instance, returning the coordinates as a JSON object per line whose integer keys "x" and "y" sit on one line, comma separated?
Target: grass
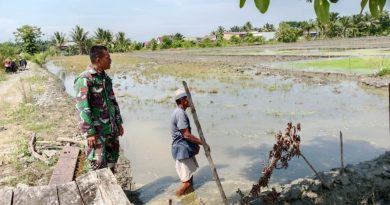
{"x": 30, "y": 174}
{"x": 3, "y": 77}
{"x": 32, "y": 117}
{"x": 364, "y": 65}
{"x": 76, "y": 64}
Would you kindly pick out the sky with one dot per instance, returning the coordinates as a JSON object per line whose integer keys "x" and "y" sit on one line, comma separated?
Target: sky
{"x": 143, "y": 20}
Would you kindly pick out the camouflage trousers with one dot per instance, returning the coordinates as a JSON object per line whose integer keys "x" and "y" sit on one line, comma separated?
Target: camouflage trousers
{"x": 104, "y": 154}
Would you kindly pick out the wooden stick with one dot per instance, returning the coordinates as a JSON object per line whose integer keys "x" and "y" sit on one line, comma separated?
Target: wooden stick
{"x": 207, "y": 151}
{"x": 312, "y": 168}
{"x": 341, "y": 153}
{"x": 65, "y": 139}
{"x": 31, "y": 148}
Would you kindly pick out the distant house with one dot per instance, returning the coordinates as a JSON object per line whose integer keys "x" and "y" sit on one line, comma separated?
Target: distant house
{"x": 267, "y": 35}
{"x": 193, "y": 39}
{"x": 145, "y": 43}
{"x": 67, "y": 44}
{"x": 229, "y": 35}
{"x": 211, "y": 37}
{"x": 160, "y": 38}
{"x": 256, "y": 33}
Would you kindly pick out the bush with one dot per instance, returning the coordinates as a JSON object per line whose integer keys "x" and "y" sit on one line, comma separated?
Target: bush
{"x": 384, "y": 71}
{"x": 286, "y": 33}
{"x": 40, "y": 58}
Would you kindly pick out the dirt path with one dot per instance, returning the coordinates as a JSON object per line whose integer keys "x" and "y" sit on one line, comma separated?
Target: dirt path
{"x": 32, "y": 101}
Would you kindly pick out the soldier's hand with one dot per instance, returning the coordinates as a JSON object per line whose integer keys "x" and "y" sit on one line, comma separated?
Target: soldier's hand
{"x": 120, "y": 130}
{"x": 91, "y": 141}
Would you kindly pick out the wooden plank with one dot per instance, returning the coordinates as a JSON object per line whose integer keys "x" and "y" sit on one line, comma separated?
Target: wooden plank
{"x": 101, "y": 187}
{"x": 69, "y": 194}
{"x": 6, "y": 196}
{"x": 89, "y": 192}
{"x": 111, "y": 192}
{"x": 66, "y": 165}
{"x": 40, "y": 195}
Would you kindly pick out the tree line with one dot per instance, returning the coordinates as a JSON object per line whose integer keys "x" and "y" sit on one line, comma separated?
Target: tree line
{"x": 28, "y": 38}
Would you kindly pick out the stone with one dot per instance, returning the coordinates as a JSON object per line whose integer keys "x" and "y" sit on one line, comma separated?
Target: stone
{"x": 345, "y": 180}
{"x": 310, "y": 194}
{"x": 295, "y": 192}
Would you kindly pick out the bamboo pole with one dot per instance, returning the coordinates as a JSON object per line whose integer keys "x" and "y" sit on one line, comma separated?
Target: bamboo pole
{"x": 207, "y": 151}
{"x": 341, "y": 152}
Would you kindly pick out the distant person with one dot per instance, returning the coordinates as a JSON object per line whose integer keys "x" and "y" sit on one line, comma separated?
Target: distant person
{"x": 100, "y": 118}
{"x": 22, "y": 63}
{"x": 7, "y": 65}
{"x": 14, "y": 66}
{"x": 184, "y": 145}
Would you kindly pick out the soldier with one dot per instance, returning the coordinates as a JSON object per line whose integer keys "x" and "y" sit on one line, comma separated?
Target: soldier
{"x": 100, "y": 118}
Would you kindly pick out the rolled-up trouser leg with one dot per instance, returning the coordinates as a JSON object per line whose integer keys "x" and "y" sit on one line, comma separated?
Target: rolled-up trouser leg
{"x": 96, "y": 156}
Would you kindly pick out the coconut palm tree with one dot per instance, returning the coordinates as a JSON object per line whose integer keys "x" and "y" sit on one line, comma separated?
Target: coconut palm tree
{"x": 333, "y": 29}
{"x": 80, "y": 37}
{"x": 346, "y": 24}
{"x": 121, "y": 43}
{"x": 219, "y": 32}
{"x": 248, "y": 26}
{"x": 235, "y": 29}
{"x": 58, "y": 40}
{"x": 103, "y": 37}
{"x": 268, "y": 27}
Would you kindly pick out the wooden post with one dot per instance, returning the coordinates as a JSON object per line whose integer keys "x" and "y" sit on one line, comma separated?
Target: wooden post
{"x": 341, "y": 152}
{"x": 207, "y": 151}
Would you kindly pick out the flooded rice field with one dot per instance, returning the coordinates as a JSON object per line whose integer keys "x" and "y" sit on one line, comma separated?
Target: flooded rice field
{"x": 239, "y": 117}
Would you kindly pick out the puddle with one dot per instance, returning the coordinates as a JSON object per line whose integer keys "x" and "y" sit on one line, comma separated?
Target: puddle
{"x": 238, "y": 119}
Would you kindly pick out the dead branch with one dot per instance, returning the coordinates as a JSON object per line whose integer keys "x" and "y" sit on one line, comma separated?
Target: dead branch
{"x": 31, "y": 148}
{"x": 65, "y": 139}
{"x": 49, "y": 142}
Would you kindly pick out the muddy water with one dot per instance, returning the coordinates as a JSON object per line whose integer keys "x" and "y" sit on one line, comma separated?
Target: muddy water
{"x": 238, "y": 119}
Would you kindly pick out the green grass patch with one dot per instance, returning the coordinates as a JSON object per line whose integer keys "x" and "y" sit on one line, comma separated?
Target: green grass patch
{"x": 384, "y": 71}
{"x": 3, "y": 77}
{"x": 33, "y": 118}
{"x": 359, "y": 65}
{"x": 77, "y": 64}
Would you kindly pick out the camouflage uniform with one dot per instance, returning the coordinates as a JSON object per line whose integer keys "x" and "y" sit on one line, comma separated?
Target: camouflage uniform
{"x": 99, "y": 115}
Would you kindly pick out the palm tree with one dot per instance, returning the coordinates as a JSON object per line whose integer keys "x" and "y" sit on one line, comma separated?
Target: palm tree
{"x": 219, "y": 32}
{"x": 103, "y": 37}
{"x": 235, "y": 29}
{"x": 307, "y": 27}
{"x": 247, "y": 26}
{"x": 59, "y": 40}
{"x": 268, "y": 27}
{"x": 332, "y": 27}
{"x": 80, "y": 38}
{"x": 121, "y": 43}
{"x": 346, "y": 23}
{"x": 320, "y": 26}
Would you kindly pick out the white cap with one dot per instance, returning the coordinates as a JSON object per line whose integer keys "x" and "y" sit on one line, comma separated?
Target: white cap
{"x": 179, "y": 93}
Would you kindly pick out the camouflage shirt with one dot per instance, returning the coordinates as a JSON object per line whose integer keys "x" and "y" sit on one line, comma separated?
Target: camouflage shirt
{"x": 96, "y": 104}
